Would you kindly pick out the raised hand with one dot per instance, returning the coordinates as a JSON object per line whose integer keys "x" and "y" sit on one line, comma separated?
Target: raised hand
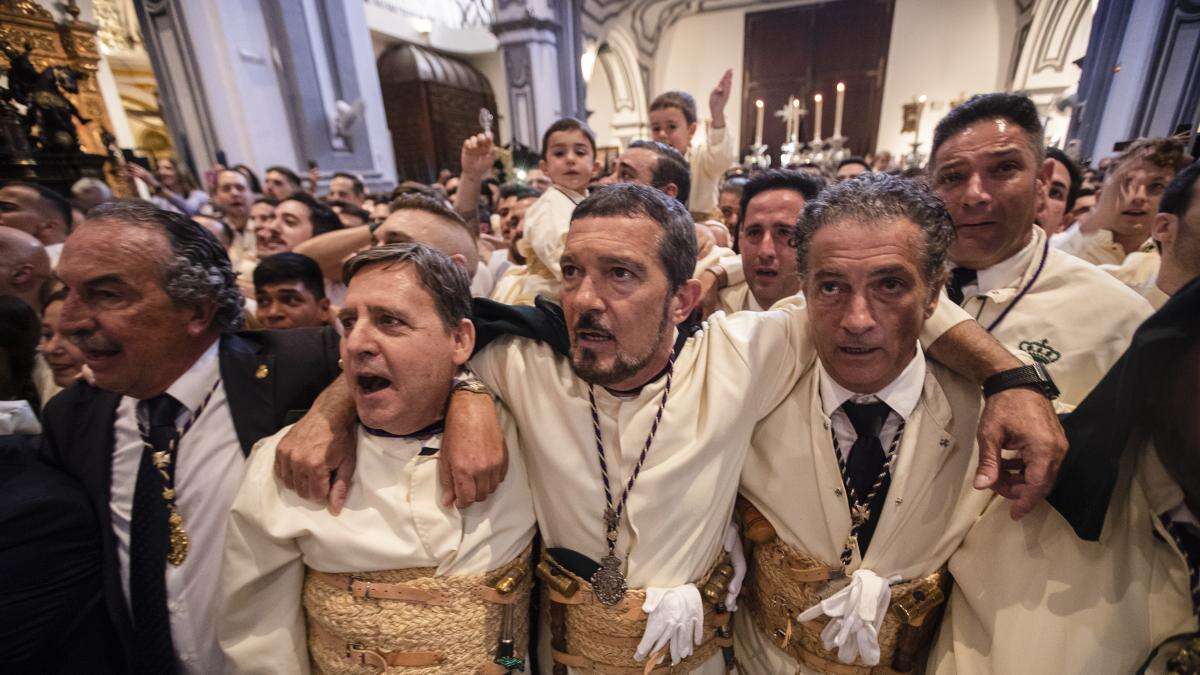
{"x": 719, "y": 97}
{"x": 477, "y": 155}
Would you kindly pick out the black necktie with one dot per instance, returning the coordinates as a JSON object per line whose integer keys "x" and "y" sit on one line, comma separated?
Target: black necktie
{"x": 960, "y": 277}
{"x": 866, "y": 460}
{"x": 149, "y": 542}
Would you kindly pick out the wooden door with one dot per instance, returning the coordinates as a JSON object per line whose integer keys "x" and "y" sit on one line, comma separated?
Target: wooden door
{"x": 804, "y": 50}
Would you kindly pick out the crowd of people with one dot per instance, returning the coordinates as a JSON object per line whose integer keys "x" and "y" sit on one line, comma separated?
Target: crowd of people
{"x": 647, "y": 417}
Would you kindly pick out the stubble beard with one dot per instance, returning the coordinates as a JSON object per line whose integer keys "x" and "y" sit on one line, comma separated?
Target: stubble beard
{"x": 585, "y": 363}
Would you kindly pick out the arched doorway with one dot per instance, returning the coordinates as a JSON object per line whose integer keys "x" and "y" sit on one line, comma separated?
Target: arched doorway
{"x": 617, "y": 93}
{"x": 432, "y": 104}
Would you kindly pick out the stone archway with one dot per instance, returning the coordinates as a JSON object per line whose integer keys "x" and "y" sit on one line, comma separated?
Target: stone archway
{"x": 626, "y": 108}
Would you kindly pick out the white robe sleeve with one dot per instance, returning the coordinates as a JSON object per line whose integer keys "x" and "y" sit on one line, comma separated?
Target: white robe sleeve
{"x": 546, "y": 225}
{"x": 261, "y": 625}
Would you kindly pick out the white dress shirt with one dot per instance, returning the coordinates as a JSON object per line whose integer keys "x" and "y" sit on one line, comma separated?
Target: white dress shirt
{"x": 208, "y": 469}
{"x": 901, "y": 395}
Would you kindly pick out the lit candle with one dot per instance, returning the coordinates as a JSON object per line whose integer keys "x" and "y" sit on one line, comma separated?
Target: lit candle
{"x": 795, "y": 117}
{"x": 820, "y": 101}
{"x": 758, "y": 123}
{"x": 837, "y": 110}
{"x": 920, "y": 111}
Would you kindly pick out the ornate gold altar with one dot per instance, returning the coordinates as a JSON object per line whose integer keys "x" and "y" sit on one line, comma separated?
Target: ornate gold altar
{"x": 70, "y": 44}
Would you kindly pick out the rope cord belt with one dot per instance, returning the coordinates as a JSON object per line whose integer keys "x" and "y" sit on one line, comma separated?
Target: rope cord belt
{"x": 860, "y": 511}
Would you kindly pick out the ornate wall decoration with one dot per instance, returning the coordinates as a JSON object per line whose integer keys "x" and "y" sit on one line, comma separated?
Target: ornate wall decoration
{"x": 1062, "y": 21}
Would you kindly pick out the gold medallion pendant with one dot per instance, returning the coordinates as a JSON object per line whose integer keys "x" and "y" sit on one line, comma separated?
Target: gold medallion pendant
{"x": 608, "y": 584}
{"x": 178, "y": 539}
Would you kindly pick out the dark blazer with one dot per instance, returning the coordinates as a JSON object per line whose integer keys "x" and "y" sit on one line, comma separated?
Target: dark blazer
{"x": 270, "y": 379}
{"x": 52, "y": 613}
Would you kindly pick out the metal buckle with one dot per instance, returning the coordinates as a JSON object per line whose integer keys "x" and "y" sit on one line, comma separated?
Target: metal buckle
{"x": 366, "y": 586}
{"x": 355, "y": 651}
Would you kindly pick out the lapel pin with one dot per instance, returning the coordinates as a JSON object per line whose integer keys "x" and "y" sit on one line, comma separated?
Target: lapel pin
{"x": 262, "y": 371}
{"x": 945, "y": 442}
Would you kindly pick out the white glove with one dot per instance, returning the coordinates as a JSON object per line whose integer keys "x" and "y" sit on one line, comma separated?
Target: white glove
{"x": 674, "y": 615}
{"x": 857, "y": 612}
{"x": 737, "y": 557}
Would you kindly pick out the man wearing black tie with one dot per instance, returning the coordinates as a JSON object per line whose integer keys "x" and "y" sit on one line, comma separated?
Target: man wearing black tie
{"x": 160, "y": 441}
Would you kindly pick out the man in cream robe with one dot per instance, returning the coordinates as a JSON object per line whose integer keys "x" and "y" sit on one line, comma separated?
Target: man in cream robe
{"x": 1031, "y": 597}
{"x": 1100, "y": 586}
{"x": 792, "y": 474}
{"x": 277, "y": 545}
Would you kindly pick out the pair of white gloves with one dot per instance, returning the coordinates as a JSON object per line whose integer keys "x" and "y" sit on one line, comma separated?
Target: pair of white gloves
{"x": 676, "y": 615}
{"x": 857, "y": 612}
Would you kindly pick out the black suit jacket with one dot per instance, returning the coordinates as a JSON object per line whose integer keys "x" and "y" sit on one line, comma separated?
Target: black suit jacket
{"x": 270, "y": 379}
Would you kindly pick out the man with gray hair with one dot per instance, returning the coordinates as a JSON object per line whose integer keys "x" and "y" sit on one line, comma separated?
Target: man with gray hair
{"x": 863, "y": 476}
{"x": 88, "y": 193}
{"x": 179, "y": 400}
{"x": 24, "y": 266}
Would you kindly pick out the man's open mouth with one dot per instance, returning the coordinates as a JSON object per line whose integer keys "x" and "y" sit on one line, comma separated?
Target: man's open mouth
{"x": 858, "y": 351}
{"x": 593, "y": 335}
{"x": 370, "y": 384}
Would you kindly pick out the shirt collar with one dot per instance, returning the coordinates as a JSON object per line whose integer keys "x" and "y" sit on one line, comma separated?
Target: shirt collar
{"x": 574, "y": 196}
{"x": 1008, "y": 271}
{"x": 193, "y": 386}
{"x": 901, "y": 394}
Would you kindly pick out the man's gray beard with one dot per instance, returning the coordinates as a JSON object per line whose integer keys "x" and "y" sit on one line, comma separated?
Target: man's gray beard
{"x": 583, "y": 361}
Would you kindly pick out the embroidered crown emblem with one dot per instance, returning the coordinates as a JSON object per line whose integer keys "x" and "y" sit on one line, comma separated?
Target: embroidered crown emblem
{"x": 1041, "y": 351}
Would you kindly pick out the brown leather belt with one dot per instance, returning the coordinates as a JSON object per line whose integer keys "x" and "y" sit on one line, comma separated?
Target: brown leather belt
{"x": 364, "y": 588}
{"x": 359, "y": 654}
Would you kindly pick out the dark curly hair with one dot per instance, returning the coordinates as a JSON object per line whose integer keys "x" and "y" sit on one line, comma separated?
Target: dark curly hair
{"x": 199, "y": 270}
{"x": 878, "y": 198}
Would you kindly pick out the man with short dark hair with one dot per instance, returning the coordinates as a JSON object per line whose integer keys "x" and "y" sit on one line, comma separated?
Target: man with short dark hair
{"x": 771, "y": 202}
{"x": 988, "y": 165}
{"x": 515, "y": 200}
{"x": 39, "y": 211}
{"x": 298, "y": 218}
{"x": 232, "y": 197}
{"x": 851, "y": 167}
{"x": 346, "y": 187}
{"x": 289, "y": 292}
{"x": 1061, "y": 192}
{"x": 655, "y": 164}
{"x": 280, "y": 182}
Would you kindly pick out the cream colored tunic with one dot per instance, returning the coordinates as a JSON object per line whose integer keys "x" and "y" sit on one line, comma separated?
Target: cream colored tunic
{"x": 738, "y": 298}
{"x": 1096, "y": 247}
{"x": 708, "y": 161}
{"x": 1030, "y": 597}
{"x": 791, "y": 475}
{"x": 726, "y": 378}
{"x": 393, "y": 519}
{"x": 1138, "y": 267}
{"x": 1074, "y": 318}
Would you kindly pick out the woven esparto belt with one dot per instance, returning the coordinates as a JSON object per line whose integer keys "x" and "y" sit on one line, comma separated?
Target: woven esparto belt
{"x": 782, "y": 582}
{"x": 369, "y": 622}
{"x": 602, "y": 639}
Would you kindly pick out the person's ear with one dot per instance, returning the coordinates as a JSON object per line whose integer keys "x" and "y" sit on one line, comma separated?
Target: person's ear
{"x": 22, "y": 275}
{"x": 461, "y": 260}
{"x": 671, "y": 190}
{"x": 463, "y": 337}
{"x": 200, "y": 318}
{"x": 684, "y": 301}
{"x": 1165, "y": 229}
{"x": 324, "y": 304}
{"x": 544, "y": 167}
